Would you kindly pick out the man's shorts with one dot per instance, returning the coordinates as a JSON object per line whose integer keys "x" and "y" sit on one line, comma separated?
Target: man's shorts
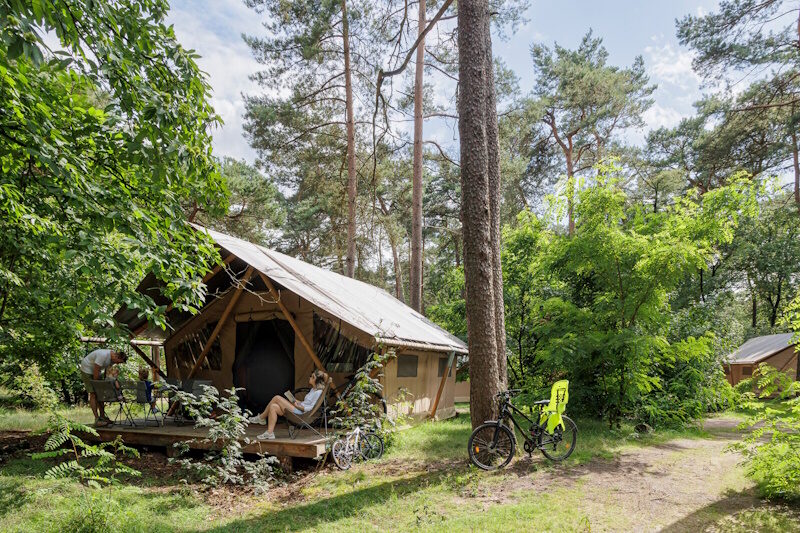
{"x": 87, "y": 381}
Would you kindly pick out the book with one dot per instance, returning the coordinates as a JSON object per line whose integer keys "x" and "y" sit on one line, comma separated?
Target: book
{"x": 290, "y": 396}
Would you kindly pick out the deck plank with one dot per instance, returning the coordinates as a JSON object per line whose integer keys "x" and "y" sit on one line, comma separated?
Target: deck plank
{"x": 305, "y": 444}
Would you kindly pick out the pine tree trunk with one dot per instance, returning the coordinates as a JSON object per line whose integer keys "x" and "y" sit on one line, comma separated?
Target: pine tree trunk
{"x": 493, "y": 167}
{"x": 796, "y": 165}
{"x": 415, "y": 284}
{"x": 398, "y": 273}
{"x": 570, "y": 192}
{"x": 351, "y": 148}
{"x": 476, "y": 208}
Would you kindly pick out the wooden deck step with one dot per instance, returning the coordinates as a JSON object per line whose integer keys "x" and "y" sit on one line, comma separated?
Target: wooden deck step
{"x": 305, "y": 444}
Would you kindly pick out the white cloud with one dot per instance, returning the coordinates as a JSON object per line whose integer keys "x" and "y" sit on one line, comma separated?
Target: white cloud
{"x": 659, "y": 116}
{"x": 214, "y": 30}
{"x": 668, "y": 64}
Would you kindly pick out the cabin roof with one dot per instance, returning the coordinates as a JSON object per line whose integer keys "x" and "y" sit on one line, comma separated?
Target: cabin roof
{"x": 759, "y": 348}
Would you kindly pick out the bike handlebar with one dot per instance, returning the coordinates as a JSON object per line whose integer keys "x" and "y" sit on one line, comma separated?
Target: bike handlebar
{"x": 509, "y": 392}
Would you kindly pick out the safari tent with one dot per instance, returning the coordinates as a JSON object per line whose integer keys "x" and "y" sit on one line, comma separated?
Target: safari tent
{"x": 269, "y": 319}
{"x": 776, "y": 350}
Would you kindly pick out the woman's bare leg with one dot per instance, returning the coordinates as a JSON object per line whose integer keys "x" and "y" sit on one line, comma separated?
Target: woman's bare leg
{"x": 277, "y": 400}
{"x": 275, "y": 411}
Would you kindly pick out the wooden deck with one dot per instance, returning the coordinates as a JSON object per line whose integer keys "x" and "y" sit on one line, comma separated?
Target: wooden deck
{"x": 305, "y": 443}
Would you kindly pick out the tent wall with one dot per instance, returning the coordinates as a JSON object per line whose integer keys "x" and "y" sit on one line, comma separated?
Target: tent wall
{"x": 422, "y": 388}
{"x": 420, "y": 391}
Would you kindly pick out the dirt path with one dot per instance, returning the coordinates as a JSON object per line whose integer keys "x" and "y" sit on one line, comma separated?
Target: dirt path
{"x": 681, "y": 485}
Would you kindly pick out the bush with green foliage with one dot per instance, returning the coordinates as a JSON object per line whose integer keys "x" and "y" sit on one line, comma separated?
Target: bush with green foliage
{"x": 92, "y": 463}
{"x": 594, "y": 307}
{"x": 31, "y": 385}
{"x": 358, "y": 408}
{"x": 772, "y": 446}
{"x": 226, "y": 423}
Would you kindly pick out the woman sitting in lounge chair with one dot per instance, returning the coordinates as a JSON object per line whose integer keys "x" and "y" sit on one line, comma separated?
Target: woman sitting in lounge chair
{"x": 279, "y": 405}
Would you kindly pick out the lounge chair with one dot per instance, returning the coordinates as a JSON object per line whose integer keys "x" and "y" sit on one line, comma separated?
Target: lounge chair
{"x": 305, "y": 420}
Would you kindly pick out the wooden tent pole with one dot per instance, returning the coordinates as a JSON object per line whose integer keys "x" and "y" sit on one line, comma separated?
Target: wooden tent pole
{"x": 450, "y": 360}
{"x": 224, "y": 318}
{"x": 155, "y": 352}
{"x": 148, "y": 360}
{"x": 276, "y": 296}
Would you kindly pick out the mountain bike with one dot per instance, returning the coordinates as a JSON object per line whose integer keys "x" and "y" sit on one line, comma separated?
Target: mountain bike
{"x": 355, "y": 445}
{"x": 492, "y": 444}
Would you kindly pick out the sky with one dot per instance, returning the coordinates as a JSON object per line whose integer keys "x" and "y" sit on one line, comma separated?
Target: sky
{"x": 629, "y": 28}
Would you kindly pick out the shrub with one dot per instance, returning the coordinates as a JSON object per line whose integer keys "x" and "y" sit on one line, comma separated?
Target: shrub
{"x": 358, "y": 407}
{"x": 227, "y": 424}
{"x": 34, "y": 389}
{"x": 775, "y": 463}
{"x": 690, "y": 382}
{"x": 92, "y": 463}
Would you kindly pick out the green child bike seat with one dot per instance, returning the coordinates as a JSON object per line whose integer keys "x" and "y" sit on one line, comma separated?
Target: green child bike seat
{"x": 559, "y": 396}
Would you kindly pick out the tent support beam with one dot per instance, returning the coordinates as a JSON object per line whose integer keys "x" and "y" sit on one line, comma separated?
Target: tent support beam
{"x": 215, "y": 333}
{"x": 450, "y": 358}
{"x": 297, "y": 331}
{"x": 148, "y": 360}
{"x": 222, "y": 320}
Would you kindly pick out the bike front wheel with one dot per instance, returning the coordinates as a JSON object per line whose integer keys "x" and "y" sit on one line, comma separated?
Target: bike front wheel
{"x": 562, "y": 443}
{"x": 491, "y": 446}
{"x": 341, "y": 454}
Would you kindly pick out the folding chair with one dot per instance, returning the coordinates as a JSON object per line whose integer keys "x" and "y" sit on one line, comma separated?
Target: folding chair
{"x": 107, "y": 393}
{"x": 141, "y": 398}
{"x": 306, "y": 419}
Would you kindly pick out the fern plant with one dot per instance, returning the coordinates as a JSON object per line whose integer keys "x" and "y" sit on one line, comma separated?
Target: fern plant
{"x": 90, "y": 463}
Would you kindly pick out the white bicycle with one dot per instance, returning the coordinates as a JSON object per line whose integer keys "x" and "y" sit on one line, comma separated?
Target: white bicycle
{"x": 356, "y": 445}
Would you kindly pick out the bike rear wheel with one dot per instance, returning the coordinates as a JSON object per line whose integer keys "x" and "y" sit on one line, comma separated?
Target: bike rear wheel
{"x": 491, "y": 446}
{"x": 371, "y": 446}
{"x": 562, "y": 443}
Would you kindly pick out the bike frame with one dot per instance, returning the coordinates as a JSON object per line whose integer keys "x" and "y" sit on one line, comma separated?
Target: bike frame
{"x": 507, "y": 410}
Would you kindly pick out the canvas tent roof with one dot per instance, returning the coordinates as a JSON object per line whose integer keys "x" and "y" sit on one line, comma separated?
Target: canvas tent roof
{"x": 759, "y": 348}
{"x": 365, "y": 307}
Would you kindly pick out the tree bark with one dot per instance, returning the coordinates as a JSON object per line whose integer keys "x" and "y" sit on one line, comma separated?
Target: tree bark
{"x": 796, "y": 165}
{"x": 570, "y": 193}
{"x": 493, "y": 167}
{"x": 415, "y": 283}
{"x": 351, "y": 148}
{"x": 755, "y": 312}
{"x": 398, "y": 273}
{"x": 476, "y": 208}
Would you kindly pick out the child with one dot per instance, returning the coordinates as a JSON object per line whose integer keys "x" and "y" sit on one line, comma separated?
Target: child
{"x": 148, "y": 387}
{"x": 112, "y": 375}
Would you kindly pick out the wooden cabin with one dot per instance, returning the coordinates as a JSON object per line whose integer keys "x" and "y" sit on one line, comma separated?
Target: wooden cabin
{"x": 777, "y": 350}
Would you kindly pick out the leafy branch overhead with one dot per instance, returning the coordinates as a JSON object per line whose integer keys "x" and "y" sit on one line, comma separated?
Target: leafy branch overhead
{"x": 104, "y": 139}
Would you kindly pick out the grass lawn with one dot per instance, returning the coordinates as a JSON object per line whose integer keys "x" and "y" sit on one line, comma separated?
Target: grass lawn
{"x": 423, "y": 483}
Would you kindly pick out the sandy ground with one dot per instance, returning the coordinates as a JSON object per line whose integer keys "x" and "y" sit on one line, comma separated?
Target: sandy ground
{"x": 681, "y": 485}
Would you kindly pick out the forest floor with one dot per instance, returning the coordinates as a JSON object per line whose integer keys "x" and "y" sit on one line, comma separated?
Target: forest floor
{"x": 615, "y": 481}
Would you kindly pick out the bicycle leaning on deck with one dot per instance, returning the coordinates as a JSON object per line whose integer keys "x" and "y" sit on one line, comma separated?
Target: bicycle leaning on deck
{"x": 356, "y": 445}
{"x": 492, "y": 444}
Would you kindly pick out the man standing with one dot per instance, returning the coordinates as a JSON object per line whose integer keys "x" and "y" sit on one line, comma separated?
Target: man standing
{"x": 93, "y": 367}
